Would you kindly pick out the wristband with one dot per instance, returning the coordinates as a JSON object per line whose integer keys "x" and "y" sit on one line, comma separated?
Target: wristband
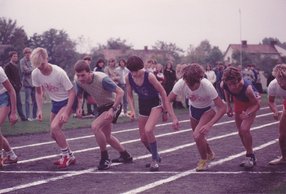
{"x": 114, "y": 108}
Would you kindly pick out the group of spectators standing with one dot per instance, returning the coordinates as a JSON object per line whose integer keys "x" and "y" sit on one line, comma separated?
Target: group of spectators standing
{"x": 19, "y": 74}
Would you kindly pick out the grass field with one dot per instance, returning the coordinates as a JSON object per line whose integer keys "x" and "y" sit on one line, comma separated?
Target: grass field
{"x": 31, "y": 127}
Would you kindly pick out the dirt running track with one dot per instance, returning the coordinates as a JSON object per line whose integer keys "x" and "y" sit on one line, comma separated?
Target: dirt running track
{"x": 35, "y": 172}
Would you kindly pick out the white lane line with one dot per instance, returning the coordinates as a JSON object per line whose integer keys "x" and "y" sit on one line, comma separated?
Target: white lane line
{"x": 95, "y": 172}
{"x": 143, "y": 172}
{"x": 23, "y": 186}
{"x": 116, "y": 132}
{"x": 192, "y": 171}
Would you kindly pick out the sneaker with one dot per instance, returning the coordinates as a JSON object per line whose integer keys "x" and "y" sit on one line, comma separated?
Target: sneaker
{"x": 9, "y": 160}
{"x": 65, "y": 161}
{"x": 202, "y": 165}
{"x": 277, "y": 161}
{"x": 104, "y": 164}
{"x": 249, "y": 162}
{"x": 149, "y": 164}
{"x": 154, "y": 166}
{"x": 211, "y": 156}
{"x": 129, "y": 159}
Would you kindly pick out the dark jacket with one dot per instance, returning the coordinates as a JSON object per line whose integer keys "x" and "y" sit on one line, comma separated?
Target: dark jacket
{"x": 13, "y": 75}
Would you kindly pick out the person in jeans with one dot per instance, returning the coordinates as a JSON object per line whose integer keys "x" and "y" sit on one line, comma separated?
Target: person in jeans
{"x": 13, "y": 73}
{"x": 30, "y": 98}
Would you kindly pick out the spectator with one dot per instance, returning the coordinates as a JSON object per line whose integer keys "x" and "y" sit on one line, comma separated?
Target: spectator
{"x": 122, "y": 71}
{"x": 159, "y": 73}
{"x": 210, "y": 74}
{"x": 13, "y": 73}
{"x": 27, "y": 69}
{"x": 110, "y": 70}
{"x": 100, "y": 64}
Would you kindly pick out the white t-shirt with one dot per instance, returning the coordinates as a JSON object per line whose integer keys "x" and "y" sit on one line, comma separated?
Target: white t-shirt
{"x": 201, "y": 97}
{"x": 274, "y": 89}
{"x": 3, "y": 78}
{"x": 56, "y": 84}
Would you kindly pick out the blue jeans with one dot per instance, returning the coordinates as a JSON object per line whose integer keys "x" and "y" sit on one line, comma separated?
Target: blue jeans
{"x": 30, "y": 94}
{"x": 19, "y": 106}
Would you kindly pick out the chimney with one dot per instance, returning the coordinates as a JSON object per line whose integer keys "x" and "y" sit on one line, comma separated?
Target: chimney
{"x": 244, "y": 43}
{"x": 145, "y": 48}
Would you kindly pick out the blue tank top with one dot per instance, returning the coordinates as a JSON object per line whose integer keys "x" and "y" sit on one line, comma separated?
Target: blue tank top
{"x": 241, "y": 96}
{"x": 146, "y": 90}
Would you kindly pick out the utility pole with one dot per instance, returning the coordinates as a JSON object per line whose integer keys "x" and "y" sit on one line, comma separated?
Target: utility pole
{"x": 240, "y": 26}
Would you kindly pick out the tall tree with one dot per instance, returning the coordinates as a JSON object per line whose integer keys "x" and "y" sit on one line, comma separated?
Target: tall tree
{"x": 60, "y": 47}
{"x": 172, "y": 51}
{"x": 11, "y": 34}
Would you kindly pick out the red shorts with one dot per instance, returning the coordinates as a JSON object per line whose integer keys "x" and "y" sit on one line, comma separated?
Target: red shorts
{"x": 240, "y": 106}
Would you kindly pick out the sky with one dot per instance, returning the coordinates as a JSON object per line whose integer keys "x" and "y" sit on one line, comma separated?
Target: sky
{"x": 144, "y": 22}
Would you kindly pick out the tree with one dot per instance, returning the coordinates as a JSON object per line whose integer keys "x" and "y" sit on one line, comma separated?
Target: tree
{"x": 117, "y": 44}
{"x": 11, "y": 34}
{"x": 204, "y": 54}
{"x": 60, "y": 47}
{"x": 172, "y": 52}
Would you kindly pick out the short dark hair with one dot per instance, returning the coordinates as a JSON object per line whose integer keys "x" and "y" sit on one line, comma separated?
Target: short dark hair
{"x": 11, "y": 53}
{"x": 134, "y": 63}
{"x": 81, "y": 65}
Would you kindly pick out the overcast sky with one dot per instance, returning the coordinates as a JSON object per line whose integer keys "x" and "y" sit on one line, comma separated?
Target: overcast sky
{"x": 143, "y": 22}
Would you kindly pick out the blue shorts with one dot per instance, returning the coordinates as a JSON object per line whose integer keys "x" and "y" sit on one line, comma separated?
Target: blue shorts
{"x": 4, "y": 99}
{"x": 146, "y": 105}
{"x": 57, "y": 106}
{"x": 197, "y": 113}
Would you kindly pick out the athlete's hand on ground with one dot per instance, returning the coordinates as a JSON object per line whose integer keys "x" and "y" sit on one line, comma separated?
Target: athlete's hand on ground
{"x": 13, "y": 119}
{"x": 176, "y": 124}
{"x": 277, "y": 115}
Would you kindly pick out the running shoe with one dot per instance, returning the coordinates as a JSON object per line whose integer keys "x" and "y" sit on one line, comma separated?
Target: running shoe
{"x": 154, "y": 166}
{"x": 248, "y": 163}
{"x": 65, "y": 161}
{"x": 277, "y": 161}
{"x": 121, "y": 159}
{"x": 9, "y": 160}
{"x": 149, "y": 164}
{"x": 202, "y": 165}
{"x": 104, "y": 164}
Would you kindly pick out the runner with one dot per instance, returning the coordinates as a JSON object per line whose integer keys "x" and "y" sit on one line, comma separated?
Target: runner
{"x": 57, "y": 85}
{"x": 203, "y": 99}
{"x": 7, "y": 107}
{"x": 108, "y": 97}
{"x": 151, "y": 105}
{"x": 246, "y": 104}
{"x": 277, "y": 88}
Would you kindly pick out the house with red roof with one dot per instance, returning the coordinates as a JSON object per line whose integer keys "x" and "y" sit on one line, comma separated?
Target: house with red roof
{"x": 255, "y": 50}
